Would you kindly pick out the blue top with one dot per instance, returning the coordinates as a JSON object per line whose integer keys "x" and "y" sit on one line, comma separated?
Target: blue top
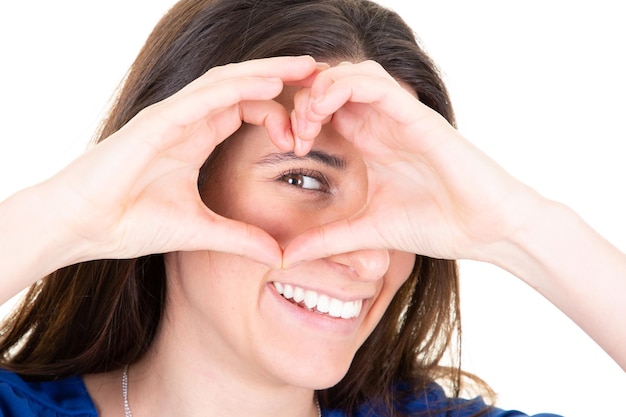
{"x": 69, "y": 398}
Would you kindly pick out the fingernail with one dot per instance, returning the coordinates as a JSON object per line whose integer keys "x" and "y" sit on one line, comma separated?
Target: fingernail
{"x": 294, "y": 124}
{"x": 322, "y": 66}
{"x": 297, "y": 146}
{"x": 302, "y": 128}
{"x": 289, "y": 139}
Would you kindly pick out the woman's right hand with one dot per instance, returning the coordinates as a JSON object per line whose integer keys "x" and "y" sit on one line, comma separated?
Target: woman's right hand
{"x": 136, "y": 192}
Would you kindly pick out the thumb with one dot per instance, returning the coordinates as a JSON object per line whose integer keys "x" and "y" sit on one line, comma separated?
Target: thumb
{"x": 342, "y": 236}
{"x": 231, "y": 236}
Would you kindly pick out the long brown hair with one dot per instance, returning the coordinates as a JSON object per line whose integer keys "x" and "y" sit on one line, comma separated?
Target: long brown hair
{"x": 96, "y": 316}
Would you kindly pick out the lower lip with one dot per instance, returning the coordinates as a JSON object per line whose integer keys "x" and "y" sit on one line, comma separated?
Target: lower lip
{"x": 312, "y": 318}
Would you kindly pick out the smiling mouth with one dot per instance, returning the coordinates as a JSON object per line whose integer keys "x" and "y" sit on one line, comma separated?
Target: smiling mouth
{"x": 319, "y": 303}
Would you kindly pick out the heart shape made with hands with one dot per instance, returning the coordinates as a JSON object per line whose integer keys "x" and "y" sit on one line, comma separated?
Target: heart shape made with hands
{"x": 420, "y": 199}
{"x": 288, "y": 110}
{"x": 144, "y": 177}
{"x": 313, "y": 244}
{"x": 409, "y": 152}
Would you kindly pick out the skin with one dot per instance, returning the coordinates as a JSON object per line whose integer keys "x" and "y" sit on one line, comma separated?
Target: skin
{"x": 95, "y": 214}
{"x": 229, "y": 303}
{"x": 247, "y": 180}
{"x": 449, "y": 200}
{"x": 224, "y": 317}
{"x": 136, "y": 194}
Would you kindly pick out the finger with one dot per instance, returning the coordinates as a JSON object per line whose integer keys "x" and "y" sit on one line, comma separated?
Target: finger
{"x": 187, "y": 109}
{"x": 301, "y": 147}
{"x": 347, "y": 69}
{"x": 221, "y": 234}
{"x": 384, "y": 94}
{"x": 273, "y": 116}
{"x": 304, "y": 130}
{"x": 342, "y": 236}
{"x": 366, "y": 82}
{"x": 288, "y": 69}
{"x": 410, "y": 124}
{"x": 248, "y": 241}
{"x": 308, "y": 81}
{"x": 164, "y": 125}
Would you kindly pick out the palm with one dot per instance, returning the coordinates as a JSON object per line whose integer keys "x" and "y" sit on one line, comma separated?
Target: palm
{"x": 136, "y": 192}
{"x": 430, "y": 191}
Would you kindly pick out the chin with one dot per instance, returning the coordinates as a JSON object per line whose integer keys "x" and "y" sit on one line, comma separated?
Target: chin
{"x": 313, "y": 370}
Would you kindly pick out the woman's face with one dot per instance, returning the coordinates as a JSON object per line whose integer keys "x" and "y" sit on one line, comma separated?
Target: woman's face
{"x": 300, "y": 326}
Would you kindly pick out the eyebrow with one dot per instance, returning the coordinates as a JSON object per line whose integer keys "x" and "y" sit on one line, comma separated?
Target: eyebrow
{"x": 325, "y": 158}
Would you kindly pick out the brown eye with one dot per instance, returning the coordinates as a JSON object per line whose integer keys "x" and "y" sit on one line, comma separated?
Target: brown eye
{"x": 303, "y": 181}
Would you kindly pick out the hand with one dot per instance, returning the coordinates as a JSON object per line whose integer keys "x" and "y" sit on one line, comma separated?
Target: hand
{"x": 430, "y": 191}
{"x": 136, "y": 192}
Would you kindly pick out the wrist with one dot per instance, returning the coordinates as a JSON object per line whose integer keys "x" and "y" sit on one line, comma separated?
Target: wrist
{"x": 531, "y": 247}
{"x": 33, "y": 235}
{"x": 558, "y": 254}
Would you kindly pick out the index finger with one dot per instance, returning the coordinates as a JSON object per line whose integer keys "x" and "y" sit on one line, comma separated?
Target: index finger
{"x": 288, "y": 69}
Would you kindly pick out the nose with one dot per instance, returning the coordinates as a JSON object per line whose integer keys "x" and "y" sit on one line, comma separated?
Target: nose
{"x": 367, "y": 265}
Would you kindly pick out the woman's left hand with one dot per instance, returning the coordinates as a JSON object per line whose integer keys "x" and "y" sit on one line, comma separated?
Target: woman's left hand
{"x": 430, "y": 191}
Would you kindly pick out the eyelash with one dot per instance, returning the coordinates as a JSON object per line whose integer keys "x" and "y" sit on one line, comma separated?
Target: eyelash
{"x": 301, "y": 172}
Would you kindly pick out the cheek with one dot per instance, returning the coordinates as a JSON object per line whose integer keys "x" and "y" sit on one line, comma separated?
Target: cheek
{"x": 211, "y": 282}
{"x": 400, "y": 267}
{"x": 282, "y": 218}
{"x": 402, "y": 264}
{"x": 267, "y": 206}
{"x": 281, "y": 212}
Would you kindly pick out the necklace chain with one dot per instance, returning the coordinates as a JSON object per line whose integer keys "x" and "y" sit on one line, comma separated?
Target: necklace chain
{"x": 128, "y": 413}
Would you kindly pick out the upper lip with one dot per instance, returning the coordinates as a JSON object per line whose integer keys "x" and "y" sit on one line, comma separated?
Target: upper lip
{"x": 345, "y": 296}
{"x": 328, "y": 278}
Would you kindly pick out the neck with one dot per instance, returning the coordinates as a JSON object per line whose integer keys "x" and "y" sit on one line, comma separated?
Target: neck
{"x": 187, "y": 379}
{"x": 183, "y": 392}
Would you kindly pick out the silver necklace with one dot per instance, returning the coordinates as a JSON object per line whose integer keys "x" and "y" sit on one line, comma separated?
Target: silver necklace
{"x": 128, "y": 413}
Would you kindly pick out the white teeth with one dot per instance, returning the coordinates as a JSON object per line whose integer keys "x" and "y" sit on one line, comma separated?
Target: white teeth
{"x": 310, "y": 299}
{"x": 298, "y": 294}
{"x": 351, "y": 309}
{"x": 320, "y": 302}
{"x": 288, "y": 291}
{"x": 335, "y": 308}
{"x": 323, "y": 302}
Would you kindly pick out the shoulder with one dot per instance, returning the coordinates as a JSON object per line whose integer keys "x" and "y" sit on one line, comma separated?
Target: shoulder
{"x": 434, "y": 399}
{"x": 433, "y": 402}
{"x": 59, "y": 398}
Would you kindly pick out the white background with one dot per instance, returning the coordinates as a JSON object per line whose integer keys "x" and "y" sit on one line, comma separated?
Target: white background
{"x": 538, "y": 85}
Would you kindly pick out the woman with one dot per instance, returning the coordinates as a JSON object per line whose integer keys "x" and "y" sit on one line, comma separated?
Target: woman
{"x": 315, "y": 209}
